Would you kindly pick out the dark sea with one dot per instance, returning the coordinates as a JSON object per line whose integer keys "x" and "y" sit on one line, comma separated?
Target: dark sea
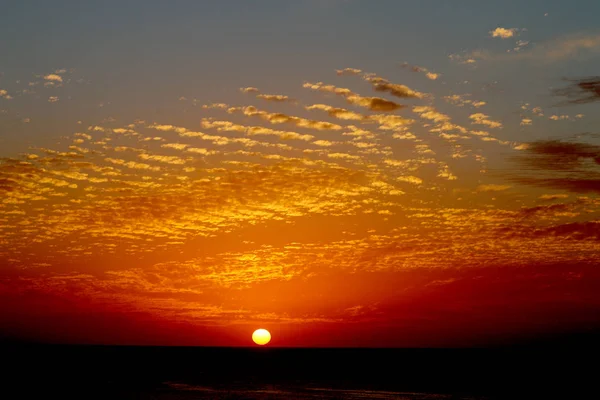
{"x": 169, "y": 373}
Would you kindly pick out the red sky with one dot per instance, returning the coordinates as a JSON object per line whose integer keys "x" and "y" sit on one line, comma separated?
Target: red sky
{"x": 378, "y": 188}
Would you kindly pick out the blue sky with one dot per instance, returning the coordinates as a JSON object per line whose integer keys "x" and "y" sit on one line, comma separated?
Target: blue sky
{"x": 151, "y": 52}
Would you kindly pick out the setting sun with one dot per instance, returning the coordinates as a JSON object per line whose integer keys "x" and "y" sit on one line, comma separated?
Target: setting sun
{"x": 261, "y": 336}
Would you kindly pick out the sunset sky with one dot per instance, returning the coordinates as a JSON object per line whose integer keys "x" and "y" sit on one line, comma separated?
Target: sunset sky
{"x": 339, "y": 172}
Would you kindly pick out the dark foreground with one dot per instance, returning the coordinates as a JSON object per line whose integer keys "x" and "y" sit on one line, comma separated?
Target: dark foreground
{"x": 103, "y": 372}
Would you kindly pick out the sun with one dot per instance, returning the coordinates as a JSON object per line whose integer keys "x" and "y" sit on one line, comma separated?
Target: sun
{"x": 261, "y": 337}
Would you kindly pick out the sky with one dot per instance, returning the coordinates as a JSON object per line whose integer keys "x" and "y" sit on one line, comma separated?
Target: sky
{"x": 342, "y": 173}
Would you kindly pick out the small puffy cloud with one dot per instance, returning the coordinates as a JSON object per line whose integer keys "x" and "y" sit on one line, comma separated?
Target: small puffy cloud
{"x": 504, "y": 33}
{"x": 468, "y": 59}
{"x": 53, "y": 78}
{"x": 482, "y": 119}
{"x": 131, "y": 164}
{"x": 348, "y": 71}
{"x": 383, "y": 85}
{"x": 372, "y": 103}
{"x": 339, "y": 113}
{"x": 415, "y": 68}
{"x": 492, "y": 188}
{"x": 390, "y": 122}
{"x": 4, "y": 94}
{"x": 219, "y": 106}
{"x": 198, "y": 150}
{"x": 323, "y": 143}
{"x": 548, "y": 197}
{"x": 520, "y": 45}
{"x": 279, "y": 118}
{"x": 526, "y": 121}
{"x": 410, "y": 179}
{"x": 249, "y": 89}
{"x": 53, "y": 99}
{"x": 343, "y": 156}
{"x": 431, "y": 114}
{"x": 444, "y": 172}
{"x": 461, "y": 100}
{"x": 284, "y": 135}
{"x": 176, "y": 146}
{"x": 163, "y": 159}
{"x": 273, "y": 97}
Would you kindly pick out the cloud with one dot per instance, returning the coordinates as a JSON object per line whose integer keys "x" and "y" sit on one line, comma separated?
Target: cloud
{"x": 53, "y": 77}
{"x": 390, "y": 122}
{"x": 548, "y": 197}
{"x": 570, "y": 166}
{"x": 575, "y": 230}
{"x": 415, "y": 68}
{"x": 132, "y": 164}
{"x": 274, "y": 97}
{"x": 581, "y": 91}
{"x": 279, "y": 118}
{"x": 348, "y": 71}
{"x": 372, "y": 103}
{"x": 482, "y": 119}
{"x": 323, "y": 143}
{"x": 53, "y": 99}
{"x": 249, "y": 89}
{"x": 210, "y": 217}
{"x": 162, "y": 158}
{"x": 220, "y": 106}
{"x": 520, "y": 45}
{"x": 560, "y": 156}
{"x": 568, "y": 47}
{"x": 383, "y": 85}
{"x": 555, "y": 50}
{"x": 340, "y": 113}
{"x": 526, "y": 121}
{"x": 4, "y": 94}
{"x": 460, "y": 100}
{"x": 283, "y": 135}
{"x": 492, "y": 188}
{"x": 467, "y": 58}
{"x": 431, "y": 114}
{"x": 504, "y": 33}
{"x": 410, "y": 179}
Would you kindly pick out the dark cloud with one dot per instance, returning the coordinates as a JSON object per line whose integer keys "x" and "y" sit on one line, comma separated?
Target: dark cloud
{"x": 581, "y": 91}
{"x": 562, "y": 165}
{"x": 532, "y": 211}
{"x": 573, "y": 230}
{"x": 570, "y": 184}
{"x": 13, "y": 172}
{"x": 559, "y": 155}
{"x": 378, "y": 104}
{"x": 382, "y": 85}
{"x": 576, "y": 230}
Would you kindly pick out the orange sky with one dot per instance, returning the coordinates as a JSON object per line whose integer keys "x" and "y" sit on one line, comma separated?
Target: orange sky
{"x": 410, "y": 208}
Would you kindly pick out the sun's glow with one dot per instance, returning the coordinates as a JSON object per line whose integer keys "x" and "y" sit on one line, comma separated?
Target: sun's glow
{"x": 261, "y": 337}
